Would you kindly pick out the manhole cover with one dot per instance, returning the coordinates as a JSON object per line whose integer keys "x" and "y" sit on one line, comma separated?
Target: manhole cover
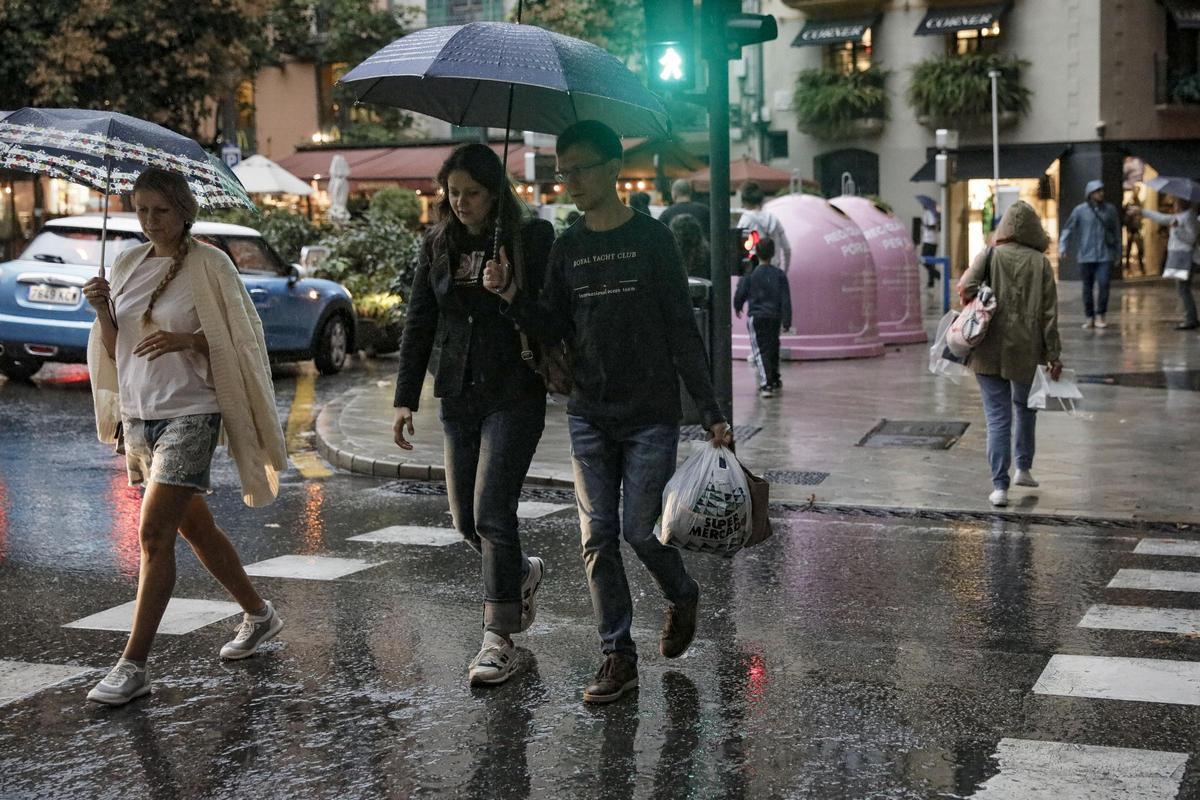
{"x": 914, "y": 433}
{"x": 695, "y": 433}
{"x": 795, "y": 477}
{"x": 1180, "y": 379}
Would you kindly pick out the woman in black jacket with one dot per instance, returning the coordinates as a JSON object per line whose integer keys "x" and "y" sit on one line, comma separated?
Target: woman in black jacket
{"x": 493, "y": 402}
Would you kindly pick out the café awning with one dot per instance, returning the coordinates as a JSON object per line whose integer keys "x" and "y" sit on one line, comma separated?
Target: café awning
{"x": 826, "y": 31}
{"x": 1016, "y": 161}
{"x": 1186, "y": 13}
{"x": 939, "y": 21}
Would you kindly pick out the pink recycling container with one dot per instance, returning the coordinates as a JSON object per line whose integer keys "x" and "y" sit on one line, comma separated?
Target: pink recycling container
{"x": 897, "y": 269}
{"x": 832, "y": 281}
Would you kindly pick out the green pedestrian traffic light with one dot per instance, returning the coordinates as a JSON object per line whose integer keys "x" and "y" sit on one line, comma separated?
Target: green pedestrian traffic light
{"x": 670, "y": 52}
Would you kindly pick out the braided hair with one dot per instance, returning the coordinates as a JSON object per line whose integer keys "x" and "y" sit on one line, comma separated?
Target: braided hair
{"x": 174, "y": 189}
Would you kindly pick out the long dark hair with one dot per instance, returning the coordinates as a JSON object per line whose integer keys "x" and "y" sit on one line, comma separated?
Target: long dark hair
{"x": 483, "y": 165}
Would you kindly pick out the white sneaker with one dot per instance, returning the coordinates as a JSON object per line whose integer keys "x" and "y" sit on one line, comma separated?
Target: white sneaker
{"x": 998, "y": 498}
{"x": 495, "y": 663}
{"x": 252, "y": 632}
{"x": 1091, "y": 323}
{"x": 1025, "y": 478}
{"x": 529, "y": 589}
{"x": 125, "y": 682}
{"x": 1100, "y": 323}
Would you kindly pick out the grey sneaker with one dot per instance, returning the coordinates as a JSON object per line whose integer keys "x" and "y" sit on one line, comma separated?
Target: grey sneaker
{"x": 253, "y": 632}
{"x": 529, "y": 589}
{"x": 495, "y": 662}
{"x": 125, "y": 682}
{"x": 1025, "y": 478}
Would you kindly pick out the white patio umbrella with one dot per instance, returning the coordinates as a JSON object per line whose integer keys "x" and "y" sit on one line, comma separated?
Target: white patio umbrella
{"x": 339, "y": 189}
{"x": 261, "y": 175}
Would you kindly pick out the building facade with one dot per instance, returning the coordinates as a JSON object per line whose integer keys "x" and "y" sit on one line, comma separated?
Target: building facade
{"x": 1110, "y": 91}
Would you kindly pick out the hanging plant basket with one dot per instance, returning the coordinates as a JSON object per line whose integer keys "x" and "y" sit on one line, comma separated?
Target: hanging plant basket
{"x": 956, "y": 92}
{"x": 830, "y": 105}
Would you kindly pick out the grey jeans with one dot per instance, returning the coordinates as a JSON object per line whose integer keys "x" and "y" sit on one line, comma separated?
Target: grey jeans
{"x": 1003, "y": 400}
{"x": 635, "y": 465}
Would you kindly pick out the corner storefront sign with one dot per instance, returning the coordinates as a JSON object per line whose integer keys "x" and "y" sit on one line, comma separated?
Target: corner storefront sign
{"x": 1185, "y": 12}
{"x": 948, "y": 20}
{"x": 818, "y": 32}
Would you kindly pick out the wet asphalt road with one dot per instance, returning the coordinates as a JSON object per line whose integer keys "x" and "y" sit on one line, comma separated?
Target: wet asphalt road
{"x": 844, "y": 658}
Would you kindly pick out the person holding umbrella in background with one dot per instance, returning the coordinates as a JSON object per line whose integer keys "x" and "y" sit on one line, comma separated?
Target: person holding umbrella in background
{"x": 493, "y": 404}
{"x": 177, "y": 357}
{"x": 616, "y": 281}
{"x": 1181, "y": 244}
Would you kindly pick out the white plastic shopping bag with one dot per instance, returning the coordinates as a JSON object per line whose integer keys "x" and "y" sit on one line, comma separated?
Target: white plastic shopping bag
{"x": 706, "y": 504}
{"x": 1063, "y": 389}
{"x": 941, "y": 360}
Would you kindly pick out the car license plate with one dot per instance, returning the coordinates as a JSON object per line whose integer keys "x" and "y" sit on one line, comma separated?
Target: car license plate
{"x": 60, "y": 295}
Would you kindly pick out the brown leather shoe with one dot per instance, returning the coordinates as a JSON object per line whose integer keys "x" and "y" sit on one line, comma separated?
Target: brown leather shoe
{"x": 617, "y": 675}
{"x": 679, "y": 628}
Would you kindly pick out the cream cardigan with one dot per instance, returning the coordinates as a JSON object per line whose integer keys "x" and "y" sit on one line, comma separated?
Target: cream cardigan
{"x": 237, "y": 353}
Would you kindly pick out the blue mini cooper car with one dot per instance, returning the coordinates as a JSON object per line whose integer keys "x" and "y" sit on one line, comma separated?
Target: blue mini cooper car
{"x": 43, "y": 316}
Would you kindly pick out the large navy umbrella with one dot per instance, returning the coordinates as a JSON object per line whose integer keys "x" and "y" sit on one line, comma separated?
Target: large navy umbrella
{"x": 106, "y": 151}
{"x": 503, "y": 74}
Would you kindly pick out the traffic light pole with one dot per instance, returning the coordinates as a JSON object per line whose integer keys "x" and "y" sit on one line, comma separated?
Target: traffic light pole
{"x": 720, "y": 329}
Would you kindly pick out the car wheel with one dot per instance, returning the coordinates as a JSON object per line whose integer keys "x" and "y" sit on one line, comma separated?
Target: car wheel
{"x": 19, "y": 369}
{"x": 333, "y": 345}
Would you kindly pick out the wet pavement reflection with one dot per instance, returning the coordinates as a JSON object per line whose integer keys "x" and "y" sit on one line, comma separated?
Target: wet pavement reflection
{"x": 847, "y": 657}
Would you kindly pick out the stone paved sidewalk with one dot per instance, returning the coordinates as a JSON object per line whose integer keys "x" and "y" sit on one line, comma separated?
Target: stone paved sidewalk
{"x": 1128, "y": 455}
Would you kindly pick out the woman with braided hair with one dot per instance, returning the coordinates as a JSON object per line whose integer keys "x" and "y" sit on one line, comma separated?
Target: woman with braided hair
{"x": 177, "y": 358}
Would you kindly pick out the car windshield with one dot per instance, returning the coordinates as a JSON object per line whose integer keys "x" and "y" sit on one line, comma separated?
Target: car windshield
{"x": 60, "y": 245}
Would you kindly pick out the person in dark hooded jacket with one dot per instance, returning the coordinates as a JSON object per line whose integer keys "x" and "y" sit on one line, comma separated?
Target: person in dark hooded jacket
{"x": 766, "y": 291}
{"x": 1022, "y": 334}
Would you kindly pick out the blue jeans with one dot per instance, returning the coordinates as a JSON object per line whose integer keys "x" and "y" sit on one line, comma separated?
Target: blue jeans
{"x": 487, "y": 457}
{"x": 1098, "y": 274}
{"x": 1000, "y": 398}
{"x": 636, "y": 464}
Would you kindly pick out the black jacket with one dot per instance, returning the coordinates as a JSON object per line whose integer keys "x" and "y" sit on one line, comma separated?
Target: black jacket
{"x": 767, "y": 291}
{"x": 479, "y": 349}
{"x": 697, "y": 210}
{"x": 619, "y": 299}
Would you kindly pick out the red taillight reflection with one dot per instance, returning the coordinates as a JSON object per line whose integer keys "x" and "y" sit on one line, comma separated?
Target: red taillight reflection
{"x": 126, "y": 504}
{"x": 756, "y": 679}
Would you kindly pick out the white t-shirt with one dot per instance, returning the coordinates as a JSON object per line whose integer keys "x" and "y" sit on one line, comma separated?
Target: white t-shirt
{"x": 768, "y": 225}
{"x": 174, "y": 384}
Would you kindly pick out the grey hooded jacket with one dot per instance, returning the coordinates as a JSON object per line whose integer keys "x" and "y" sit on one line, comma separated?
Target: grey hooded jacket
{"x": 1084, "y": 232}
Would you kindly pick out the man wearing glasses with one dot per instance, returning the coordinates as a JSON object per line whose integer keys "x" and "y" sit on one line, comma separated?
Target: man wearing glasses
{"x": 616, "y": 293}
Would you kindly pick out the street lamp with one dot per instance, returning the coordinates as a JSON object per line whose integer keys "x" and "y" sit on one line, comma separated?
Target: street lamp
{"x": 994, "y": 75}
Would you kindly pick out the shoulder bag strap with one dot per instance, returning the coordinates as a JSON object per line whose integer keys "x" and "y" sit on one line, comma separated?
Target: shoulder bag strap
{"x": 519, "y": 277}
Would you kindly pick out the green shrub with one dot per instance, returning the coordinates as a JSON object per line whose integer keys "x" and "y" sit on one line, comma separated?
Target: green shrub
{"x": 958, "y": 87}
{"x": 1186, "y": 89}
{"x": 398, "y": 202}
{"x": 828, "y": 103}
{"x": 372, "y": 257}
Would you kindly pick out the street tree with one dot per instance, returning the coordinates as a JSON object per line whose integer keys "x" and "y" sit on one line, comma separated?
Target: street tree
{"x": 618, "y": 26}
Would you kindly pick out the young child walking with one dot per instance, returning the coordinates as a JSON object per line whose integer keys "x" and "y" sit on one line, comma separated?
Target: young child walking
{"x": 765, "y": 288}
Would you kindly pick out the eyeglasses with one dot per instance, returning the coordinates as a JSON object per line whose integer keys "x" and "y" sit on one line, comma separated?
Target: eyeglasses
{"x": 570, "y": 174}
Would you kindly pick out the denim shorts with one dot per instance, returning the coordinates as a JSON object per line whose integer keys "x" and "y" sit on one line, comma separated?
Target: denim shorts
{"x": 174, "y": 451}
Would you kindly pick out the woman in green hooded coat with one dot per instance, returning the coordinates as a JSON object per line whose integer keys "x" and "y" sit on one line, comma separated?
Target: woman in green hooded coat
{"x": 1022, "y": 334}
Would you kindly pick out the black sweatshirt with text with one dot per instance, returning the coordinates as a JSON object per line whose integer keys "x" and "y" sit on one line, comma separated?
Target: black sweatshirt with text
{"x": 619, "y": 299}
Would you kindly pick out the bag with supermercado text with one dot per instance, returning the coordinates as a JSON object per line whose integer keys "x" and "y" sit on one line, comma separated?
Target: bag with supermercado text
{"x": 552, "y": 361}
{"x": 706, "y": 504}
{"x": 971, "y": 326}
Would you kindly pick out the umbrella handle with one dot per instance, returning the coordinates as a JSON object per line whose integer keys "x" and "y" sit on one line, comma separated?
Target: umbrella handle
{"x": 504, "y": 159}
{"x": 104, "y": 220}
